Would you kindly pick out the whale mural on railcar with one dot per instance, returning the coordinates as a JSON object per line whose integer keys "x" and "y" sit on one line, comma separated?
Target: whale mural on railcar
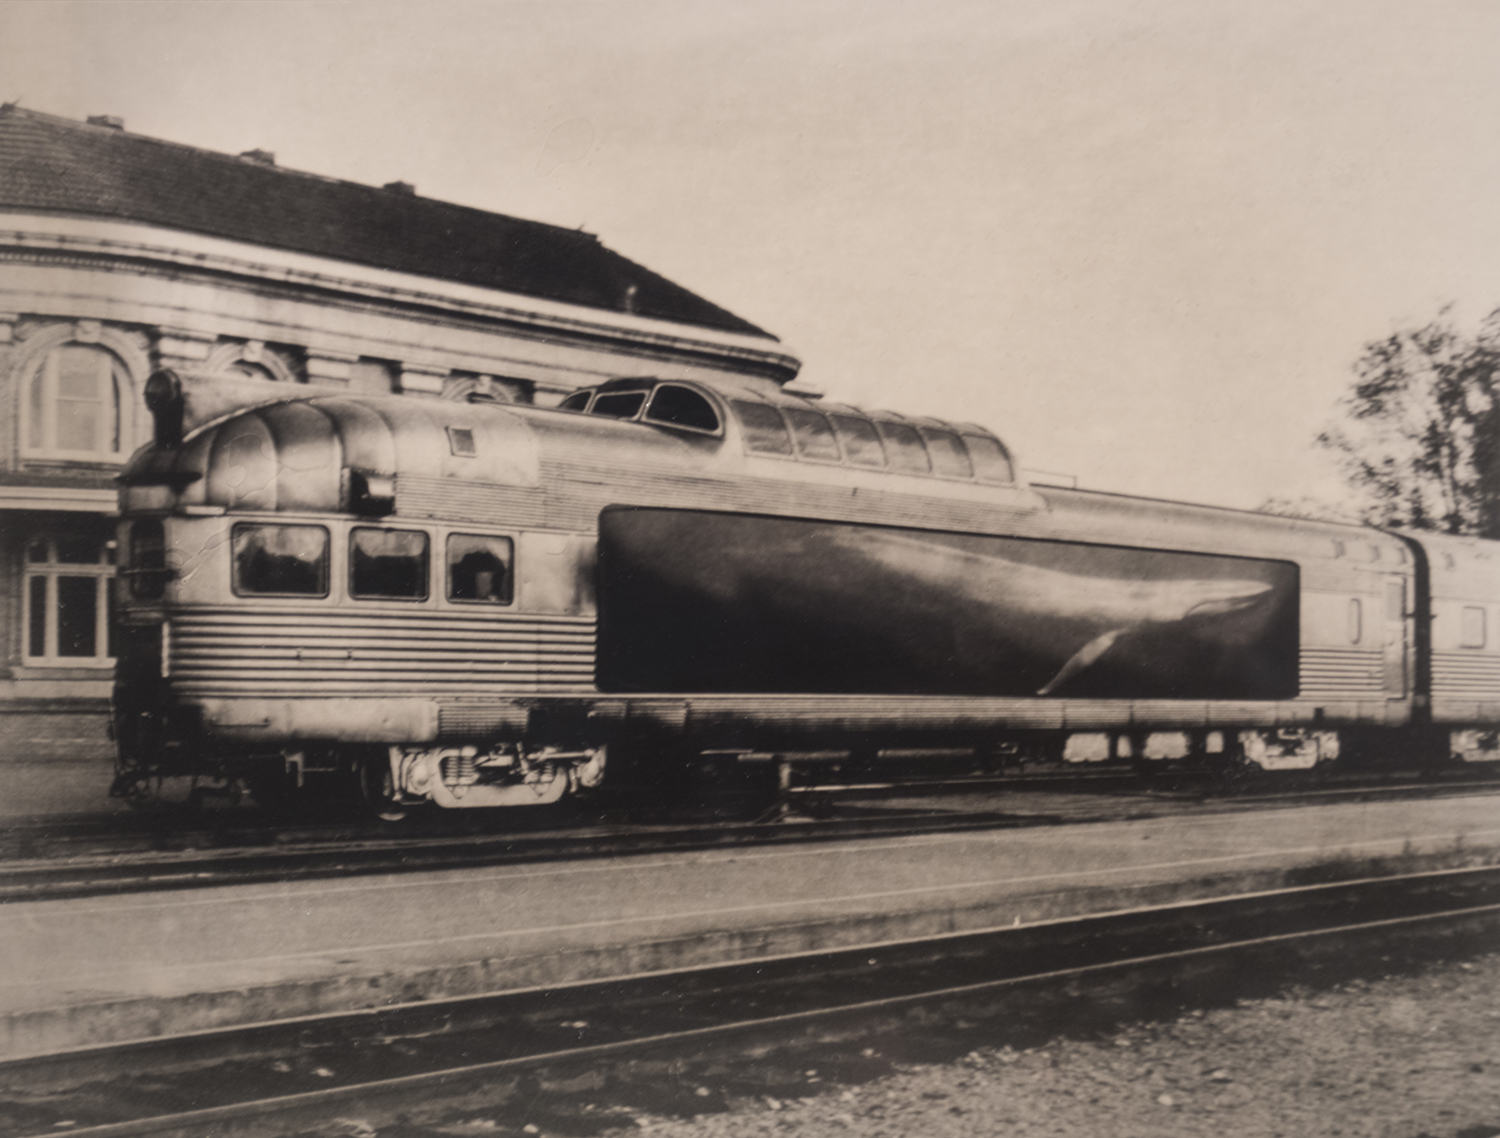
{"x": 699, "y": 601}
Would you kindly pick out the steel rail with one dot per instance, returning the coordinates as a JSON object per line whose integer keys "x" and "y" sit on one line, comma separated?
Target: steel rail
{"x": 78, "y": 875}
{"x": 118, "y": 873}
{"x": 1206, "y": 919}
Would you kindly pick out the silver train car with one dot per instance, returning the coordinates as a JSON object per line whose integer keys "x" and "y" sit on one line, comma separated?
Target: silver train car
{"x": 481, "y": 604}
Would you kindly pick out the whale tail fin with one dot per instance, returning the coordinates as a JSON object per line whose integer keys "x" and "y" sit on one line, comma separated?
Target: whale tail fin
{"x": 1081, "y": 660}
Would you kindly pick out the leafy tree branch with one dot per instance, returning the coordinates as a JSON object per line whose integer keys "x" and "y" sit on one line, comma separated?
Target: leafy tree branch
{"x": 1420, "y": 442}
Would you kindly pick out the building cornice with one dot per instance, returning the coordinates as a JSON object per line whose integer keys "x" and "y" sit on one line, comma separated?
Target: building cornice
{"x": 73, "y": 498}
{"x": 188, "y": 251}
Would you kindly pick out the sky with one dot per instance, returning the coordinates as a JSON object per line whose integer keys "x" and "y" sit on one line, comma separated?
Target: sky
{"x": 1142, "y": 240}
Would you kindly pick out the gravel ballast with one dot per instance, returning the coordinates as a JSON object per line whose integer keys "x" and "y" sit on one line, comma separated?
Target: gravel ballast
{"x": 1413, "y": 1056}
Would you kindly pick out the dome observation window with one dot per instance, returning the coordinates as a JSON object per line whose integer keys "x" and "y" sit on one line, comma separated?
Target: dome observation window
{"x": 675, "y": 406}
{"x": 814, "y": 435}
{"x": 861, "y": 440}
{"x": 991, "y": 462}
{"x": 618, "y": 404}
{"x": 765, "y": 430}
{"x": 949, "y": 458}
{"x": 904, "y": 448}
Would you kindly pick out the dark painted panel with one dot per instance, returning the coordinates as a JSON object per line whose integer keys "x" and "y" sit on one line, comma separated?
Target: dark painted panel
{"x": 692, "y": 601}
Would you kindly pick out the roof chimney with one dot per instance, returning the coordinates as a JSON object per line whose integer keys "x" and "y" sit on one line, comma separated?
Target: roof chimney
{"x": 401, "y": 188}
{"x": 263, "y": 157}
{"x": 114, "y": 122}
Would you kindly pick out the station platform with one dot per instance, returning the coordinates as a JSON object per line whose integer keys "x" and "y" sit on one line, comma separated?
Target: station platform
{"x": 103, "y": 970}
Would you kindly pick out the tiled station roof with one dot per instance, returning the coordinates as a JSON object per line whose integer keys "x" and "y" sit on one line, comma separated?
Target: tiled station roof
{"x": 58, "y": 165}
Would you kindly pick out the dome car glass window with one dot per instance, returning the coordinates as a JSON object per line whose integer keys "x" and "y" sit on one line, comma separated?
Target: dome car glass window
{"x": 991, "y": 463}
{"x": 814, "y": 436}
{"x": 903, "y": 448}
{"x": 388, "y": 563}
{"x": 480, "y": 569}
{"x": 578, "y": 401}
{"x": 861, "y": 440}
{"x": 949, "y": 459}
{"x": 286, "y": 561}
{"x": 618, "y": 404}
{"x": 765, "y": 432}
{"x": 682, "y": 407}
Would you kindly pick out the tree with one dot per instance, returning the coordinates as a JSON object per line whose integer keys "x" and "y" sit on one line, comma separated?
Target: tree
{"x": 1421, "y": 442}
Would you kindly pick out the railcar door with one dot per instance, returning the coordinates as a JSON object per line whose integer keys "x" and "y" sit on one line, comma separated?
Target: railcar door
{"x": 1394, "y": 662}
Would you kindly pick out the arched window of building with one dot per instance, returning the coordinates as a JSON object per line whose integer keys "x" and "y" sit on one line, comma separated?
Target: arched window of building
{"x": 66, "y": 615}
{"x": 244, "y": 369}
{"x": 253, "y": 359}
{"x": 76, "y": 405}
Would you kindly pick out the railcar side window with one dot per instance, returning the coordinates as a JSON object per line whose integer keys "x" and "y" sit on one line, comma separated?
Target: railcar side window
{"x": 388, "y": 563}
{"x": 1472, "y": 628}
{"x": 949, "y": 459}
{"x": 903, "y": 448}
{"x": 813, "y": 434}
{"x": 764, "y": 429}
{"x": 1356, "y": 620}
{"x": 861, "y": 442}
{"x": 991, "y": 463}
{"x": 289, "y": 561}
{"x": 480, "y": 568}
{"x": 578, "y": 401}
{"x": 618, "y": 404}
{"x": 682, "y": 407}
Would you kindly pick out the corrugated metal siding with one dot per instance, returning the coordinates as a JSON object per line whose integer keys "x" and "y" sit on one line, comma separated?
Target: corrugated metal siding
{"x": 232, "y": 651}
{"x": 577, "y": 491}
{"x": 1465, "y": 674}
{"x": 1341, "y": 671}
{"x": 463, "y": 719}
{"x": 453, "y": 500}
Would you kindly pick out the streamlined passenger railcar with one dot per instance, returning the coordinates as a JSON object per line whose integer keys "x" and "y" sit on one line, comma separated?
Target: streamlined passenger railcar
{"x": 476, "y": 603}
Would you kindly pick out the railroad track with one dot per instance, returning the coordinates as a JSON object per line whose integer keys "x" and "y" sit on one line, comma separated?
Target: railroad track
{"x": 291, "y": 1076}
{"x": 239, "y": 855}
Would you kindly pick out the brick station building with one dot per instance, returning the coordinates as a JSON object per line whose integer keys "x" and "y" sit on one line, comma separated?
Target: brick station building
{"x": 121, "y": 254}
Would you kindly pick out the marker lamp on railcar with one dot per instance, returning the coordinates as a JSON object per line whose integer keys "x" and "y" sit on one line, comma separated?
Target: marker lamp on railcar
{"x": 164, "y": 400}
{"x": 371, "y": 495}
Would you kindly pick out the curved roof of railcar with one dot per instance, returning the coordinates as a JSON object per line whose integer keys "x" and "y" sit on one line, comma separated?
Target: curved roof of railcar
{"x": 293, "y": 454}
{"x": 1155, "y": 521}
{"x": 1466, "y": 567}
{"x": 290, "y": 453}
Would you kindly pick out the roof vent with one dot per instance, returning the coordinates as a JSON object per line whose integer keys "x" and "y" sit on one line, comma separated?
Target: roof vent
{"x": 114, "y": 122}
{"x": 264, "y": 157}
{"x": 401, "y": 188}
